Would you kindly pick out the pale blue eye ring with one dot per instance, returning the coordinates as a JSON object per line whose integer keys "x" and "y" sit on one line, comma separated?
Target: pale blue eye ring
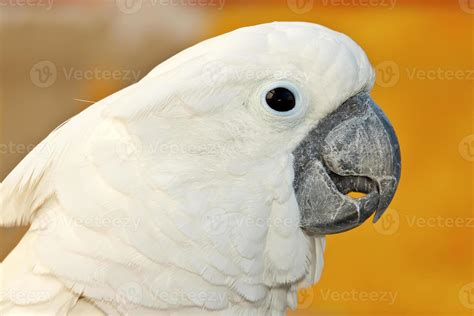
{"x": 281, "y": 98}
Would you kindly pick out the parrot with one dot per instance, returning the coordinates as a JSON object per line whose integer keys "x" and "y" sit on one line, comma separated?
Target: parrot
{"x": 205, "y": 188}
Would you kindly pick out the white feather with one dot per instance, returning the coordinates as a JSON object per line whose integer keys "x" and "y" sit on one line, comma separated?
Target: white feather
{"x": 174, "y": 196}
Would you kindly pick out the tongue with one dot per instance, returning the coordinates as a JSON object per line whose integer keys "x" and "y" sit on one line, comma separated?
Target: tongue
{"x": 346, "y": 184}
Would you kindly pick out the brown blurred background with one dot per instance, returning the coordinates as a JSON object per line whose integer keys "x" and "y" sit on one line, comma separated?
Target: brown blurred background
{"x": 57, "y": 57}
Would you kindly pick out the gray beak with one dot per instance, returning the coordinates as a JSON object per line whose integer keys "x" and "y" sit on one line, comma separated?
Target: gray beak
{"x": 353, "y": 149}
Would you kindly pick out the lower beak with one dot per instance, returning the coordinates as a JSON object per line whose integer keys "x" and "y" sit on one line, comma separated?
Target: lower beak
{"x": 354, "y": 149}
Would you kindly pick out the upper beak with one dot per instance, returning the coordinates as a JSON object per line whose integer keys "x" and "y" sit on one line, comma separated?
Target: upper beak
{"x": 354, "y": 149}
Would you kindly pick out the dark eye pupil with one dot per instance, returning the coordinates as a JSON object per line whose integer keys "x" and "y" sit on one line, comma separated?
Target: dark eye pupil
{"x": 280, "y": 99}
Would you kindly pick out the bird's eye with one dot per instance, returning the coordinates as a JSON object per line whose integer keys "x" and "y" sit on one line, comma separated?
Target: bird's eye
{"x": 280, "y": 99}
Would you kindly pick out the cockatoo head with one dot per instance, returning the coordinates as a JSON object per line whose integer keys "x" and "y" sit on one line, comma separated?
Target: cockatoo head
{"x": 296, "y": 90}
{"x": 265, "y": 129}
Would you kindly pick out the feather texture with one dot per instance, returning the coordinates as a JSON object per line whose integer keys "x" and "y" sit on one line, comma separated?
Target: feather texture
{"x": 174, "y": 196}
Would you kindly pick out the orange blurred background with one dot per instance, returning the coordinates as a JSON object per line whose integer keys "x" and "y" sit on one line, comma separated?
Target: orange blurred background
{"x": 419, "y": 258}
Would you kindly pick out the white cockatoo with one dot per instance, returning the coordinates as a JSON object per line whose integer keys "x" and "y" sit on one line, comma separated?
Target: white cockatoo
{"x": 207, "y": 187}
